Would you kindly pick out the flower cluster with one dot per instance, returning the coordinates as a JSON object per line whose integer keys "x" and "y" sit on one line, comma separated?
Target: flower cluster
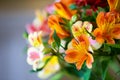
{"x": 80, "y": 35}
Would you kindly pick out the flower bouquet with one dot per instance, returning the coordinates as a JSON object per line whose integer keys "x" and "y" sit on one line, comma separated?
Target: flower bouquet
{"x": 79, "y": 39}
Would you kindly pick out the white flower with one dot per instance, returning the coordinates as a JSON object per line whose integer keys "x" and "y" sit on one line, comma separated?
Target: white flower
{"x": 34, "y": 57}
{"x": 35, "y": 40}
{"x": 40, "y": 18}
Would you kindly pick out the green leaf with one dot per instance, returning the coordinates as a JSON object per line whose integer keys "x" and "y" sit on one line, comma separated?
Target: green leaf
{"x": 101, "y": 9}
{"x": 114, "y": 45}
{"x": 33, "y": 71}
{"x": 115, "y": 67}
{"x": 54, "y": 45}
{"x": 99, "y": 69}
{"x": 57, "y": 39}
{"x": 84, "y": 72}
{"x": 67, "y": 24}
{"x": 47, "y": 50}
{"x": 73, "y": 6}
{"x": 104, "y": 68}
{"x": 109, "y": 76}
{"x": 106, "y": 48}
{"x": 87, "y": 74}
{"x": 74, "y": 18}
{"x": 25, "y": 35}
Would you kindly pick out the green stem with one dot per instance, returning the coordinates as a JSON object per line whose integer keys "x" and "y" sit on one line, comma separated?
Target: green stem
{"x": 57, "y": 54}
{"x": 62, "y": 47}
{"x": 118, "y": 59}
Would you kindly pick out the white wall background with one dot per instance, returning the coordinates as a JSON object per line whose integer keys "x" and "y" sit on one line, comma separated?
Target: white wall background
{"x": 14, "y": 15}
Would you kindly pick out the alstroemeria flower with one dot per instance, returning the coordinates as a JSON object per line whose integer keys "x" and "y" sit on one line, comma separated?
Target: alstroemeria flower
{"x": 62, "y": 8}
{"x": 39, "y": 24}
{"x": 79, "y": 28}
{"x": 78, "y": 53}
{"x": 35, "y": 39}
{"x": 108, "y": 27}
{"x": 54, "y": 24}
{"x": 78, "y": 48}
{"x": 34, "y": 57}
{"x": 51, "y": 68}
{"x": 108, "y": 24}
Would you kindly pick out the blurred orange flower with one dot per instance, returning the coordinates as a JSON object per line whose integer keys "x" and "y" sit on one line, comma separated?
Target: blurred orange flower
{"x": 108, "y": 27}
{"x": 62, "y": 8}
{"x": 114, "y": 5}
{"x": 53, "y": 22}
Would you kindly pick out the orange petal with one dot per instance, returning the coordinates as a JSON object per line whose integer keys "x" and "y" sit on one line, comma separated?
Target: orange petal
{"x": 74, "y": 43}
{"x": 53, "y": 22}
{"x": 77, "y": 29}
{"x": 84, "y": 41}
{"x": 68, "y": 2}
{"x": 114, "y": 5}
{"x": 98, "y": 35}
{"x": 100, "y": 40}
{"x": 81, "y": 61}
{"x": 72, "y": 55}
{"x": 89, "y": 60}
{"x": 62, "y": 10}
{"x": 100, "y": 19}
{"x": 50, "y": 37}
{"x": 110, "y": 41}
{"x": 116, "y": 31}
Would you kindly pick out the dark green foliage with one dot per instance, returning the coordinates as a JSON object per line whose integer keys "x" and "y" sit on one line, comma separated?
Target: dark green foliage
{"x": 56, "y": 40}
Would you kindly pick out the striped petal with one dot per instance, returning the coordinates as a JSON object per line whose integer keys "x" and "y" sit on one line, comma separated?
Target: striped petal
{"x": 81, "y": 61}
{"x": 89, "y": 60}
{"x": 72, "y": 55}
{"x": 114, "y": 5}
{"x": 53, "y": 22}
{"x": 116, "y": 31}
{"x": 63, "y": 9}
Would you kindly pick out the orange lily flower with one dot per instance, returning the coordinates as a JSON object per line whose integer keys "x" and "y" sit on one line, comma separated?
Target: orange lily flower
{"x": 77, "y": 51}
{"x": 63, "y": 9}
{"x": 108, "y": 24}
{"x": 108, "y": 27}
{"x": 53, "y": 22}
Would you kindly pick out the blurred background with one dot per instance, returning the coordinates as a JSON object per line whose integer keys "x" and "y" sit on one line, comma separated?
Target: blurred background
{"x": 14, "y": 15}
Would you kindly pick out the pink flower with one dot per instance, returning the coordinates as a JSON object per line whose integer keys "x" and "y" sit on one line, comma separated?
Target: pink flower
{"x": 33, "y": 55}
{"x": 39, "y": 24}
